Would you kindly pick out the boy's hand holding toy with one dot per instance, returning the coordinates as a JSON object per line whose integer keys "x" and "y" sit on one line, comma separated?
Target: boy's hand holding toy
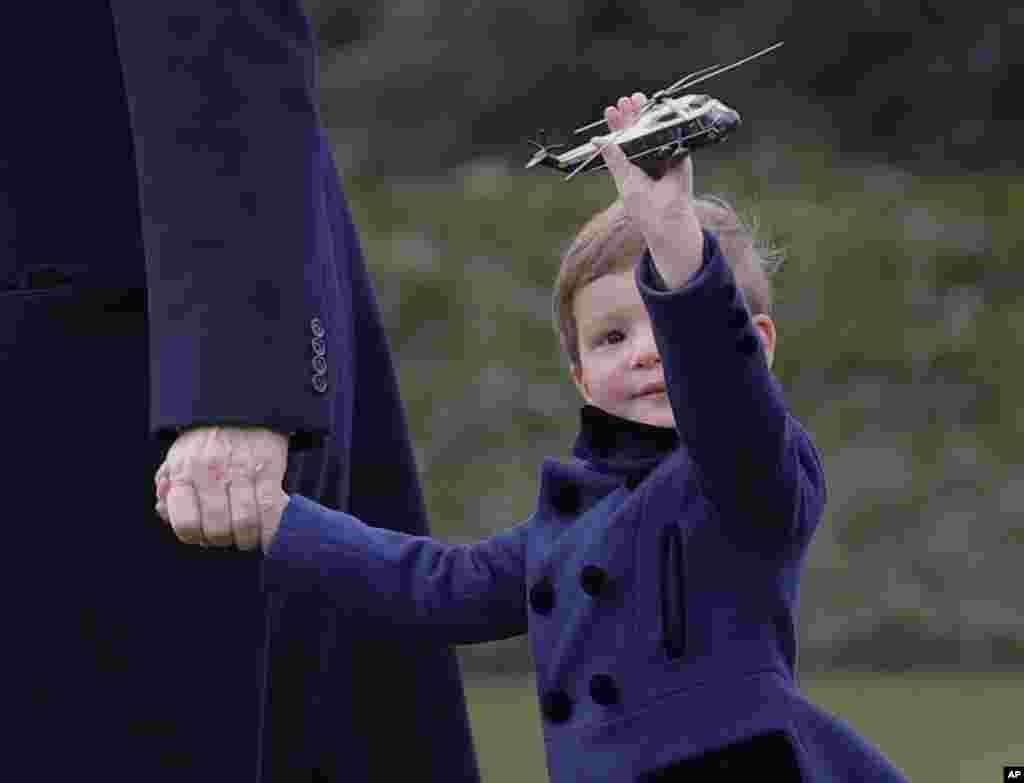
{"x": 663, "y": 208}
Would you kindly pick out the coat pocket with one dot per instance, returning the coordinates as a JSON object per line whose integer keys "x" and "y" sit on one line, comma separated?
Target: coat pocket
{"x": 673, "y": 591}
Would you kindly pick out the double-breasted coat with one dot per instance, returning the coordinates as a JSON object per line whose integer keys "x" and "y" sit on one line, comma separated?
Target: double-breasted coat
{"x": 657, "y": 578}
{"x": 176, "y": 251}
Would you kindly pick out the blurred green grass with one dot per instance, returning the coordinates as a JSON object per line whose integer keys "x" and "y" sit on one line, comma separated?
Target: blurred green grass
{"x": 936, "y": 727}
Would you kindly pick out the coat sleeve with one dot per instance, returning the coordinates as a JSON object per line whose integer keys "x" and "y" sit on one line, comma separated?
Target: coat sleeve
{"x": 756, "y": 463}
{"x": 401, "y": 584}
{"x": 227, "y": 141}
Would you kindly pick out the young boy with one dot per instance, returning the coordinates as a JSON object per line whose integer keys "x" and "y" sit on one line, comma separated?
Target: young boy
{"x": 658, "y": 577}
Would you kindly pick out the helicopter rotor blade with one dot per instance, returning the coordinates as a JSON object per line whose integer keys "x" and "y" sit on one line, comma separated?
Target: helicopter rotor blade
{"x": 684, "y": 83}
{"x": 660, "y": 95}
{"x": 687, "y": 85}
{"x": 654, "y": 98}
{"x": 650, "y": 102}
{"x": 583, "y": 165}
{"x": 680, "y": 82}
{"x": 591, "y": 125}
{"x": 611, "y": 138}
{"x": 651, "y": 151}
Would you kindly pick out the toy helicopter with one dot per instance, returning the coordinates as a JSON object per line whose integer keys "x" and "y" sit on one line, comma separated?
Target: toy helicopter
{"x": 668, "y": 126}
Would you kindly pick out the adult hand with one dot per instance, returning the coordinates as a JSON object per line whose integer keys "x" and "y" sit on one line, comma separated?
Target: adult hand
{"x": 662, "y": 208}
{"x": 223, "y": 486}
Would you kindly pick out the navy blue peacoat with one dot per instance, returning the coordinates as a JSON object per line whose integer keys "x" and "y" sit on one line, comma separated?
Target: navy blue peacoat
{"x": 657, "y": 578}
{"x": 176, "y": 251}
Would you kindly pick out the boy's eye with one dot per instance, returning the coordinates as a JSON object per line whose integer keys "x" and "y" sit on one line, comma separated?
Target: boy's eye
{"x": 613, "y": 336}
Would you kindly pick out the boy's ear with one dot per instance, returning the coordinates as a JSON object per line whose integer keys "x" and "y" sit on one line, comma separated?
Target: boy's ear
{"x": 766, "y": 331}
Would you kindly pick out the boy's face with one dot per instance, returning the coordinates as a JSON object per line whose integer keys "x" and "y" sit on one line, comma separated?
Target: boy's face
{"x": 620, "y": 370}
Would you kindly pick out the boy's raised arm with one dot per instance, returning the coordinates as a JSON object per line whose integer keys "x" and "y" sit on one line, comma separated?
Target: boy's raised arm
{"x": 756, "y": 463}
{"x": 402, "y": 585}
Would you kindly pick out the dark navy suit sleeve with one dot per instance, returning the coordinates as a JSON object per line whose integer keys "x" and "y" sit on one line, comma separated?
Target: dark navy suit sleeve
{"x": 222, "y": 100}
{"x": 756, "y": 463}
{"x": 404, "y": 585}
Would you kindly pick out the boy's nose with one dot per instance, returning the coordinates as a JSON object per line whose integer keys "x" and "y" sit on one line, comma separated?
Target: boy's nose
{"x": 648, "y": 359}
{"x": 646, "y": 352}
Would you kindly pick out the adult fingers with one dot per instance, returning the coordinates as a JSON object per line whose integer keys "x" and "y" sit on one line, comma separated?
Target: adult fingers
{"x": 221, "y": 468}
{"x": 244, "y": 468}
{"x": 162, "y": 473}
{"x": 245, "y": 514}
{"x": 210, "y": 478}
{"x": 272, "y": 500}
{"x": 163, "y": 486}
{"x": 183, "y": 511}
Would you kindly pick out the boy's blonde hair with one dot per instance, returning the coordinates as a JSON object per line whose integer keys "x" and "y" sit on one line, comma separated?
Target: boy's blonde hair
{"x": 610, "y": 243}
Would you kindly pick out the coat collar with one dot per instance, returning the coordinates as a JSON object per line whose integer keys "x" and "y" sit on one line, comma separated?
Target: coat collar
{"x": 611, "y": 444}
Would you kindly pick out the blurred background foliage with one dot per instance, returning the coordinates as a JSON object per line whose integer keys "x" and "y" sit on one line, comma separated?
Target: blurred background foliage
{"x": 421, "y": 85}
{"x": 880, "y": 151}
{"x": 898, "y": 321}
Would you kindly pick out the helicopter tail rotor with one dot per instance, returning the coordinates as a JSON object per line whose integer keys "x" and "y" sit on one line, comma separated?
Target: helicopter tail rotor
{"x": 543, "y": 154}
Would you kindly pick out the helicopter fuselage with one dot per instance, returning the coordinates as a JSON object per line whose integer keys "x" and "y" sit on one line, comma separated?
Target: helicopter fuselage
{"x": 668, "y": 130}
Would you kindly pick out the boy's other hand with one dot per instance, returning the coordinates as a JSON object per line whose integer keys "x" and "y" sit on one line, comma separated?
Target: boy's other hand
{"x": 223, "y": 486}
{"x": 662, "y": 208}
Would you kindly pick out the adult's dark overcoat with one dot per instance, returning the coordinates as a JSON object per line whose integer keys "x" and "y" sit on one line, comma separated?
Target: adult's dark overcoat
{"x": 176, "y": 251}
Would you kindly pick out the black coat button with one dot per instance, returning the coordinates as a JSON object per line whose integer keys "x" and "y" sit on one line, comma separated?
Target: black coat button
{"x": 603, "y": 690}
{"x": 747, "y": 345}
{"x": 594, "y": 580}
{"x": 739, "y": 318}
{"x": 542, "y": 596}
{"x": 566, "y": 498}
{"x": 557, "y": 706}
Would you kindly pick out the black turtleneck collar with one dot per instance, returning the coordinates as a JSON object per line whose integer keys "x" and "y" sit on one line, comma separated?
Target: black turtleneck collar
{"x": 612, "y": 444}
